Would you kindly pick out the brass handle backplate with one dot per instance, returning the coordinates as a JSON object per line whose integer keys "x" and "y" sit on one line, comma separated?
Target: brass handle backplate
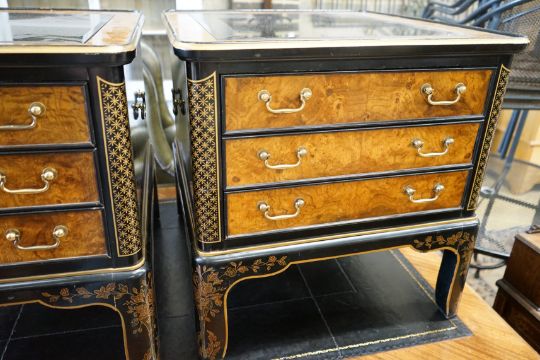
{"x": 265, "y": 156}
{"x": 14, "y": 235}
{"x": 410, "y": 191}
{"x": 419, "y": 144}
{"x": 264, "y": 96}
{"x": 35, "y": 110}
{"x": 47, "y": 175}
{"x": 428, "y": 90}
{"x": 265, "y": 209}
{"x": 139, "y": 105}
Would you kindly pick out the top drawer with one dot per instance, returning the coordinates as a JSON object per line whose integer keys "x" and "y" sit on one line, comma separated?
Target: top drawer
{"x": 319, "y": 99}
{"x": 38, "y": 115}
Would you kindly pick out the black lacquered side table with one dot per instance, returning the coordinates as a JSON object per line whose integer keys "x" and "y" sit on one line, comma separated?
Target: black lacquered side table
{"x": 313, "y": 135}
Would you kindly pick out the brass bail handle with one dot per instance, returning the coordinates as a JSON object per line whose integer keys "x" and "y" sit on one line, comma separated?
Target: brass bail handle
{"x": 35, "y": 110}
{"x": 428, "y": 90}
{"x": 419, "y": 144}
{"x": 265, "y": 156}
{"x": 410, "y": 191}
{"x": 266, "y": 97}
{"x": 265, "y": 209}
{"x": 14, "y": 235}
{"x": 47, "y": 176}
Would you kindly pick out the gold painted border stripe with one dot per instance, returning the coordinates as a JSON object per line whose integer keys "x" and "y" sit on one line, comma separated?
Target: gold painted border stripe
{"x": 332, "y": 237}
{"x": 75, "y": 273}
{"x": 367, "y": 343}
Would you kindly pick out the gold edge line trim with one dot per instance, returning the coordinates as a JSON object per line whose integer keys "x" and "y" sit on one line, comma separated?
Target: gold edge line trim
{"x": 472, "y": 203}
{"x": 106, "y": 148}
{"x": 75, "y": 307}
{"x": 207, "y": 46}
{"x": 218, "y": 173}
{"x": 331, "y": 237}
{"x": 203, "y": 79}
{"x": 98, "y": 82}
{"x": 225, "y": 297}
{"x": 75, "y": 273}
{"x": 218, "y": 160}
{"x": 367, "y": 343}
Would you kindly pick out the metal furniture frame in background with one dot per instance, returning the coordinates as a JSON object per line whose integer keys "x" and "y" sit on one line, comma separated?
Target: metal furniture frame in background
{"x": 523, "y": 93}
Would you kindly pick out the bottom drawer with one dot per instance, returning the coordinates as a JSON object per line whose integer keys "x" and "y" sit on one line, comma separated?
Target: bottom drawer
{"x": 275, "y": 209}
{"x": 56, "y": 235}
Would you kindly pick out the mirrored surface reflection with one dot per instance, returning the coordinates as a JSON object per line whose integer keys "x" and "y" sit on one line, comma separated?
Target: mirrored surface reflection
{"x": 236, "y": 26}
{"x": 51, "y": 27}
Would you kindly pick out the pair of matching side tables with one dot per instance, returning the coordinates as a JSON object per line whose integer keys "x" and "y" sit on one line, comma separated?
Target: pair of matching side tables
{"x": 75, "y": 223}
{"x": 314, "y": 135}
{"x": 310, "y": 135}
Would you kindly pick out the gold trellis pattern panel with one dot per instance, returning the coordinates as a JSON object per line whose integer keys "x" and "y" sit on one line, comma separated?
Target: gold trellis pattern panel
{"x": 114, "y": 112}
{"x": 205, "y": 153}
{"x": 488, "y": 136}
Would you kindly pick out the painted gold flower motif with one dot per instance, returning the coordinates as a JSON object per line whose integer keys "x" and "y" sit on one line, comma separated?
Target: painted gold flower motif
{"x": 212, "y": 347}
{"x": 210, "y": 285}
{"x": 139, "y": 302}
{"x": 462, "y": 241}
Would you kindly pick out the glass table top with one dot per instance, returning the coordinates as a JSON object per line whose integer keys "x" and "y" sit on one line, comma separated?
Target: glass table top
{"x": 248, "y": 26}
{"x": 50, "y": 28}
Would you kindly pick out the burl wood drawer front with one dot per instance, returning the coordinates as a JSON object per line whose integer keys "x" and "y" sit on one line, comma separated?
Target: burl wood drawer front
{"x": 43, "y": 115}
{"x": 57, "y": 235}
{"x": 47, "y": 179}
{"x": 294, "y": 157}
{"x": 256, "y": 211}
{"x": 349, "y": 98}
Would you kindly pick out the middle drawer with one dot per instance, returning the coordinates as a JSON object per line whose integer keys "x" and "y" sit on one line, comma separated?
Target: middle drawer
{"x": 47, "y": 179}
{"x": 294, "y": 157}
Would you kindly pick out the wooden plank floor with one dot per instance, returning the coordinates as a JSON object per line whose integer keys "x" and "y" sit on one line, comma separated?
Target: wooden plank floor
{"x": 493, "y": 338}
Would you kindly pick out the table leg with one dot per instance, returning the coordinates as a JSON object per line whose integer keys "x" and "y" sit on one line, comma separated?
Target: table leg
{"x": 132, "y": 297}
{"x": 457, "y": 252}
{"x": 212, "y": 284}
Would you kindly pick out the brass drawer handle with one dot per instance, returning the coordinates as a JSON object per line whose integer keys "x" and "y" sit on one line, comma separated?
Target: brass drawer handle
{"x": 265, "y": 155}
{"x": 35, "y": 110}
{"x": 265, "y": 209}
{"x": 48, "y": 175}
{"x": 419, "y": 144}
{"x": 14, "y": 235}
{"x": 409, "y": 191}
{"x": 427, "y": 89}
{"x": 264, "y": 96}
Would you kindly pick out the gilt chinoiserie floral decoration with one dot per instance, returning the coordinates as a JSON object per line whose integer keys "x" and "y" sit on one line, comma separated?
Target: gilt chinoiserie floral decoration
{"x": 211, "y": 285}
{"x": 462, "y": 241}
{"x": 137, "y": 301}
{"x": 121, "y": 172}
